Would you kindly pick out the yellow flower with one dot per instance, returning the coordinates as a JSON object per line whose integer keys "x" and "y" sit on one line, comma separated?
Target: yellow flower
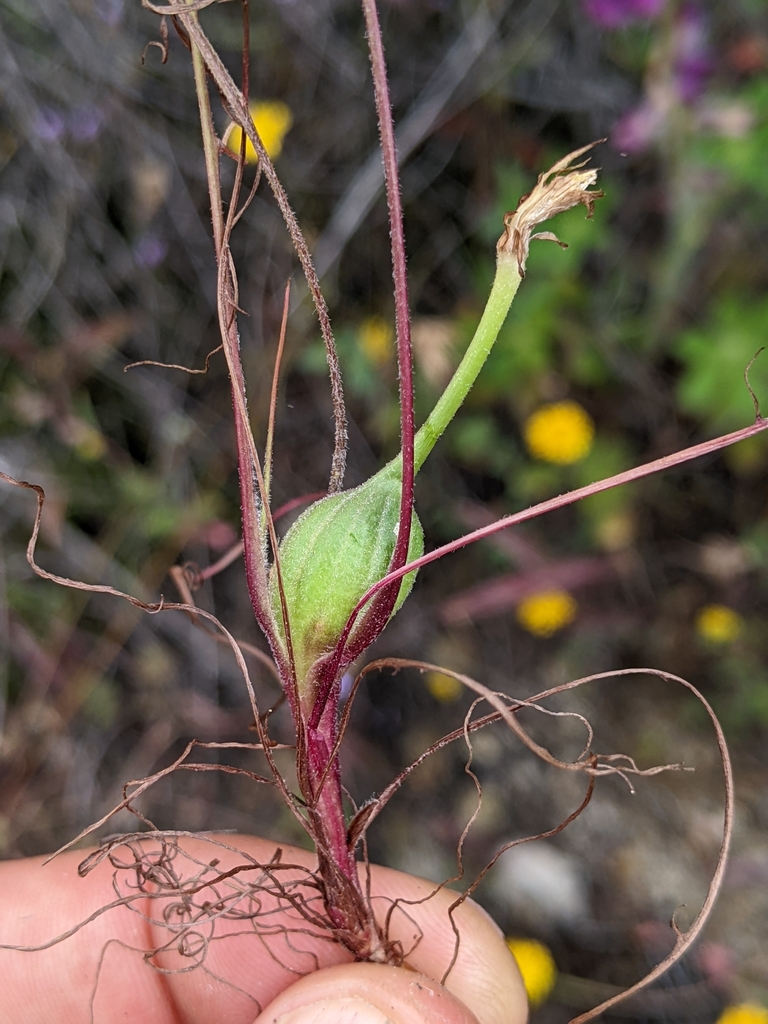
{"x": 719, "y": 625}
{"x": 744, "y": 1013}
{"x": 273, "y": 120}
{"x": 444, "y": 688}
{"x": 376, "y": 339}
{"x": 544, "y": 613}
{"x": 561, "y": 432}
{"x": 90, "y": 443}
{"x": 537, "y": 967}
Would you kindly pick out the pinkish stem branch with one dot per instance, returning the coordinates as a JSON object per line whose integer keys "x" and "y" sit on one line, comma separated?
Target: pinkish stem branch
{"x": 569, "y": 498}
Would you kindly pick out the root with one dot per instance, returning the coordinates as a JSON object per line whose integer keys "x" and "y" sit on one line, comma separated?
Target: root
{"x": 276, "y": 899}
{"x": 593, "y": 765}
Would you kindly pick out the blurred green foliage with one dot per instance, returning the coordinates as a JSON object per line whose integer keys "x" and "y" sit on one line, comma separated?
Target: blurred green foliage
{"x": 715, "y": 357}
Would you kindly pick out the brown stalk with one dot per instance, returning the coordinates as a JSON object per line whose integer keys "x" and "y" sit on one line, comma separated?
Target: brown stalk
{"x": 273, "y": 396}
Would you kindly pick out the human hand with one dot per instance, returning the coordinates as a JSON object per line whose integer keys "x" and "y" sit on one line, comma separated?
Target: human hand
{"x": 292, "y": 977}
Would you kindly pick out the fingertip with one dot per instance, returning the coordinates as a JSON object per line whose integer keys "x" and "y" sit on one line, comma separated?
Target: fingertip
{"x": 437, "y": 932}
{"x": 366, "y": 994}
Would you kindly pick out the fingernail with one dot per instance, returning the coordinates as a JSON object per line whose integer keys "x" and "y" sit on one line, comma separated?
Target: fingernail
{"x": 335, "y": 1011}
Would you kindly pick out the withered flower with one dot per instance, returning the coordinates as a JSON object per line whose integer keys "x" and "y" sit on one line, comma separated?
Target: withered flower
{"x": 556, "y": 191}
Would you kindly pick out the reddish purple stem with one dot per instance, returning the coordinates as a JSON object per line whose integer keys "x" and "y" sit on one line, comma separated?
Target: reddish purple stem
{"x": 399, "y": 273}
{"x": 380, "y": 610}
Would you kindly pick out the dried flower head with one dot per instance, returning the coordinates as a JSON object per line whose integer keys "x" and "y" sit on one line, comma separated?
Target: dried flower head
{"x": 556, "y": 190}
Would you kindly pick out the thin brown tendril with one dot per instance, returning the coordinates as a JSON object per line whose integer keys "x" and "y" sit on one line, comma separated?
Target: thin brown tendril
{"x": 752, "y": 394}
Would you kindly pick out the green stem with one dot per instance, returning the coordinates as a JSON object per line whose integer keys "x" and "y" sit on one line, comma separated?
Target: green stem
{"x": 210, "y": 144}
{"x": 505, "y": 285}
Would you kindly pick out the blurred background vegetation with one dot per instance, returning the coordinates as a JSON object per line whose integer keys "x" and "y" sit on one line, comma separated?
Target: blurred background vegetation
{"x": 643, "y": 327}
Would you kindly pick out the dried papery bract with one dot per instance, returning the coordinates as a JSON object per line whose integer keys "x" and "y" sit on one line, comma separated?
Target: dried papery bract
{"x": 562, "y": 187}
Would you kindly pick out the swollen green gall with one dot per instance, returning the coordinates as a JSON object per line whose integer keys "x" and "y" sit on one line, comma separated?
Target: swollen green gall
{"x": 334, "y": 552}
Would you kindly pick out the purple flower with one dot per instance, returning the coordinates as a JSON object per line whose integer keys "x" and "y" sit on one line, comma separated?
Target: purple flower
{"x": 48, "y": 124}
{"x": 693, "y": 58}
{"x": 612, "y": 14}
{"x": 150, "y": 251}
{"x": 109, "y": 11}
{"x": 638, "y": 128}
{"x": 682, "y": 81}
{"x": 85, "y": 122}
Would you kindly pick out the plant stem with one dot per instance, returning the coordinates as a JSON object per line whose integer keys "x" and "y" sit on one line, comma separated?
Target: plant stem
{"x": 378, "y": 613}
{"x": 252, "y": 487}
{"x": 210, "y": 147}
{"x": 400, "y": 278}
{"x": 237, "y": 107}
{"x": 504, "y": 288}
{"x": 505, "y": 285}
{"x": 568, "y": 498}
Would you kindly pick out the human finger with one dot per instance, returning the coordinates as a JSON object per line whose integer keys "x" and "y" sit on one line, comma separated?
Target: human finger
{"x": 364, "y": 993}
{"x": 248, "y": 938}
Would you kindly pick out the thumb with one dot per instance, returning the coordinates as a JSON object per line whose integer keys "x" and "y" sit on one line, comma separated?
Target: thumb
{"x": 366, "y": 993}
